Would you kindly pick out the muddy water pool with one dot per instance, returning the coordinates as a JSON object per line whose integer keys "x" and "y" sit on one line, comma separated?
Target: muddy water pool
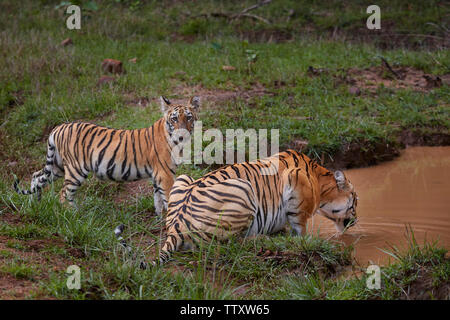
{"x": 412, "y": 190}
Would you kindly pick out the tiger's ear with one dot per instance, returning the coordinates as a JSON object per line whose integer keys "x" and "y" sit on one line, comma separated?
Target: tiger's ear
{"x": 195, "y": 103}
{"x": 340, "y": 179}
{"x": 165, "y": 103}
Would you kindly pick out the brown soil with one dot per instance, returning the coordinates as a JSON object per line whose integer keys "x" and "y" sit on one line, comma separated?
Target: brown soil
{"x": 370, "y": 79}
{"x": 266, "y": 35}
{"x": 415, "y": 138}
{"x": 11, "y": 219}
{"x": 303, "y": 262}
{"x": 212, "y": 96}
{"x": 361, "y": 154}
{"x": 12, "y": 288}
{"x": 423, "y": 289}
{"x": 209, "y": 96}
{"x": 130, "y": 191}
{"x": 35, "y": 253}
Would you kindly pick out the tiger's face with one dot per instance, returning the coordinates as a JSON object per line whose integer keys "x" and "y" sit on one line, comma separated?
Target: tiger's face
{"x": 339, "y": 203}
{"x": 180, "y": 119}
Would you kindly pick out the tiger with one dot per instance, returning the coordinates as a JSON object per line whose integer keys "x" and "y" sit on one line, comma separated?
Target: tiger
{"x": 246, "y": 199}
{"x": 77, "y": 148}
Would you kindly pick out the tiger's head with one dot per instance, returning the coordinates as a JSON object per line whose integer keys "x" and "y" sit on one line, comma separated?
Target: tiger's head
{"x": 179, "y": 119}
{"x": 338, "y": 202}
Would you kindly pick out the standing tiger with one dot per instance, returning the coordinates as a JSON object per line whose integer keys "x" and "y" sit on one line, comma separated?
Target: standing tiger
{"x": 77, "y": 148}
{"x": 244, "y": 199}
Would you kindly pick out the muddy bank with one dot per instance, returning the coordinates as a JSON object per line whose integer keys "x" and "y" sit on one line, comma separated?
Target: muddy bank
{"x": 365, "y": 153}
{"x": 362, "y": 153}
{"x": 424, "y": 287}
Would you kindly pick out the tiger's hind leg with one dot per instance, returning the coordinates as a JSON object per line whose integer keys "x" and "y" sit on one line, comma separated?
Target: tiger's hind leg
{"x": 57, "y": 172}
{"x": 52, "y": 171}
{"x": 73, "y": 178}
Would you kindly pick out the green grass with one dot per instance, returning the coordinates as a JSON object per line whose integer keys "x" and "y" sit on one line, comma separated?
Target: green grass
{"x": 418, "y": 272}
{"x": 28, "y": 231}
{"x": 19, "y": 270}
{"x": 179, "y": 51}
{"x": 213, "y": 272}
{"x": 53, "y": 94}
{"x": 268, "y": 267}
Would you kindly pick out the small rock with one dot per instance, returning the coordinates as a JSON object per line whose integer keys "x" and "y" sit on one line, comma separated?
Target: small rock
{"x": 105, "y": 79}
{"x": 66, "y": 42}
{"x": 354, "y": 90}
{"x": 112, "y": 66}
{"x": 228, "y": 68}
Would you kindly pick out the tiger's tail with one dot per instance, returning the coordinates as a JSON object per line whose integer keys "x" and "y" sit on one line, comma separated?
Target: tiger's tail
{"x": 118, "y": 233}
{"x": 40, "y": 178}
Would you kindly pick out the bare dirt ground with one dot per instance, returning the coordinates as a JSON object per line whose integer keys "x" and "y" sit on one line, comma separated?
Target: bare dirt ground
{"x": 372, "y": 78}
{"x": 369, "y": 80}
{"x": 209, "y": 96}
{"x": 130, "y": 191}
{"x": 423, "y": 288}
{"x": 38, "y": 253}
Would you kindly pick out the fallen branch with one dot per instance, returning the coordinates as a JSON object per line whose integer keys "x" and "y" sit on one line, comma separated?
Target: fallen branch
{"x": 254, "y": 16}
{"x": 234, "y": 16}
{"x": 255, "y": 6}
{"x": 386, "y": 64}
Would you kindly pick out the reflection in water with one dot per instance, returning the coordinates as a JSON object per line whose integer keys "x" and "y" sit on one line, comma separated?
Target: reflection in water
{"x": 412, "y": 190}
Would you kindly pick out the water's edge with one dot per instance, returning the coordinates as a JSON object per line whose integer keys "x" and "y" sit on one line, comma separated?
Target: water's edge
{"x": 412, "y": 189}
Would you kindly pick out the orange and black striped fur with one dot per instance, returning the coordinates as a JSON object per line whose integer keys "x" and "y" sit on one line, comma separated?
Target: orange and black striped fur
{"x": 244, "y": 199}
{"x": 77, "y": 148}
